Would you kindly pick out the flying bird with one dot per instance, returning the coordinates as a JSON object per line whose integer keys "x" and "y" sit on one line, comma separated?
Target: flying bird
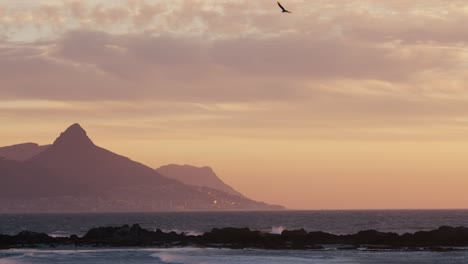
{"x": 283, "y": 10}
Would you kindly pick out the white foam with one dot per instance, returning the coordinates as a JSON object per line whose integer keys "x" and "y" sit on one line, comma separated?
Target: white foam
{"x": 199, "y": 256}
{"x": 218, "y": 256}
{"x": 167, "y": 257}
{"x": 233, "y": 256}
{"x": 277, "y": 230}
{"x": 186, "y": 232}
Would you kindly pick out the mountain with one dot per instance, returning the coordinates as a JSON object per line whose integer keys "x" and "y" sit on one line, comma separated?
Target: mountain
{"x": 17, "y": 180}
{"x": 196, "y": 176}
{"x": 73, "y": 174}
{"x": 74, "y": 156}
{"x": 21, "y": 152}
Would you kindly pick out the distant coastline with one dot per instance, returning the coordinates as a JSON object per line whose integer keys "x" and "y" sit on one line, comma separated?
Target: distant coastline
{"x": 74, "y": 174}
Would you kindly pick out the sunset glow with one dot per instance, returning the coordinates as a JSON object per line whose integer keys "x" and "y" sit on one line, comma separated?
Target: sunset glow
{"x": 339, "y": 105}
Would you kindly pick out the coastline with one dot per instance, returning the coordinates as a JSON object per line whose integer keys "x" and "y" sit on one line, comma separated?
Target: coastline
{"x": 443, "y": 239}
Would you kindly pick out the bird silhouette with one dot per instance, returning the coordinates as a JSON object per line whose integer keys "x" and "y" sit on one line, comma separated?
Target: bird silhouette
{"x": 283, "y": 10}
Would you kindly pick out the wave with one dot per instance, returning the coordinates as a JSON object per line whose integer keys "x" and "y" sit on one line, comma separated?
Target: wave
{"x": 10, "y": 261}
{"x": 166, "y": 257}
{"x": 59, "y": 233}
{"x": 216, "y": 256}
{"x": 197, "y": 256}
{"x": 238, "y": 256}
{"x": 186, "y": 232}
{"x": 277, "y": 230}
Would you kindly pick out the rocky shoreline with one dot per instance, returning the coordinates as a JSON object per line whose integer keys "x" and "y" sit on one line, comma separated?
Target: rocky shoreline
{"x": 442, "y": 239}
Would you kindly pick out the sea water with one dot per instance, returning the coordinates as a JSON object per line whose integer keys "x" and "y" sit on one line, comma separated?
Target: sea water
{"x": 338, "y": 222}
{"x": 223, "y": 256}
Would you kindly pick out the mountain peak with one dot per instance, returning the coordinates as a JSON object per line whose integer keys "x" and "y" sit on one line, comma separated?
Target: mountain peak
{"x": 74, "y": 135}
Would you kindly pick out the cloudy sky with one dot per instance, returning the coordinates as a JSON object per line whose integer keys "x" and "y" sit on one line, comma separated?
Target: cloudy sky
{"x": 341, "y": 104}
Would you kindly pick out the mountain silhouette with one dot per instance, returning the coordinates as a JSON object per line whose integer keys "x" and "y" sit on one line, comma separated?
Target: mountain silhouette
{"x": 73, "y": 174}
{"x": 74, "y": 137}
{"x": 196, "y": 176}
{"x": 17, "y": 180}
{"x": 78, "y": 159}
{"x": 21, "y": 152}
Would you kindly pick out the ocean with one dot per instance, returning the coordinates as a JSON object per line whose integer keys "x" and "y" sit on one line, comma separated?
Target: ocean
{"x": 337, "y": 222}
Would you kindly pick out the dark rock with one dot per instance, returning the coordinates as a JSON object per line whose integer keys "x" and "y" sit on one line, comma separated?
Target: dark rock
{"x": 439, "y": 240}
{"x": 5, "y": 241}
{"x": 28, "y": 237}
{"x": 301, "y": 233}
{"x": 374, "y": 237}
{"x": 231, "y": 235}
{"x": 443, "y": 236}
{"x": 321, "y": 237}
{"x": 129, "y": 236}
{"x": 297, "y": 239}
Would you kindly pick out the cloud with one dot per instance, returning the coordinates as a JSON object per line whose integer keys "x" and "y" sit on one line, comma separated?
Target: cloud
{"x": 98, "y": 65}
{"x": 363, "y": 20}
{"x": 365, "y": 64}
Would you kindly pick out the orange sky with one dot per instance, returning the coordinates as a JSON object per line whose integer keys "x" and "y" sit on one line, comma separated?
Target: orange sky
{"x": 340, "y": 105}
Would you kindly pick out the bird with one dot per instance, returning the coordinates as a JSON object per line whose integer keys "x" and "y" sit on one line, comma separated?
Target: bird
{"x": 283, "y": 10}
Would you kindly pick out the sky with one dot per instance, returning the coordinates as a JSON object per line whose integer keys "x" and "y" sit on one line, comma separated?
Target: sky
{"x": 358, "y": 104}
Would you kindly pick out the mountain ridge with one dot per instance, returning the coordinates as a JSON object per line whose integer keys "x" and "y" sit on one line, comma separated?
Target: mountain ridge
{"x": 22, "y": 151}
{"x": 93, "y": 179}
{"x": 196, "y": 176}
